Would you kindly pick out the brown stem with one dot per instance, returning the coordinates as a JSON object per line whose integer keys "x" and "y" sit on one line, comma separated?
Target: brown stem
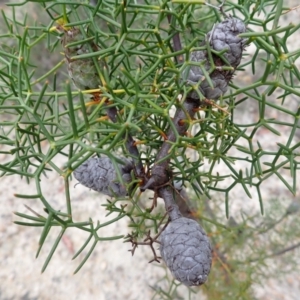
{"x": 176, "y": 43}
{"x": 160, "y": 174}
{"x": 112, "y": 113}
{"x": 171, "y": 207}
{"x": 285, "y": 250}
{"x": 278, "y": 253}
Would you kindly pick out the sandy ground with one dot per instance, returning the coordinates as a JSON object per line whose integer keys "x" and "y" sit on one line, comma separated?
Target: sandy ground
{"x": 111, "y": 272}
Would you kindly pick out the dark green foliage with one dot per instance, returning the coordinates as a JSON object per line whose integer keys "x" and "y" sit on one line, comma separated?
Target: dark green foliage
{"x": 43, "y": 116}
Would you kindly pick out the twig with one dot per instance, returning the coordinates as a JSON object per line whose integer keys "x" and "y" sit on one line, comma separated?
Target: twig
{"x": 171, "y": 207}
{"x": 220, "y": 7}
{"x": 285, "y": 250}
{"x": 176, "y": 43}
{"x": 160, "y": 174}
{"x": 130, "y": 143}
{"x": 148, "y": 241}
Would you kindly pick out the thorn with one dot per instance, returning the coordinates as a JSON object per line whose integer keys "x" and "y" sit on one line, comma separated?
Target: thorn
{"x": 219, "y": 8}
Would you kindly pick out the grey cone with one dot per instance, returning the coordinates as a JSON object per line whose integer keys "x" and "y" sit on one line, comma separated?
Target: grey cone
{"x": 186, "y": 250}
{"x": 223, "y": 36}
{"x": 99, "y": 174}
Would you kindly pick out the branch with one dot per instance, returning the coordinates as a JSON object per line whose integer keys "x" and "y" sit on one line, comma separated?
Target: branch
{"x": 112, "y": 113}
{"x": 160, "y": 175}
